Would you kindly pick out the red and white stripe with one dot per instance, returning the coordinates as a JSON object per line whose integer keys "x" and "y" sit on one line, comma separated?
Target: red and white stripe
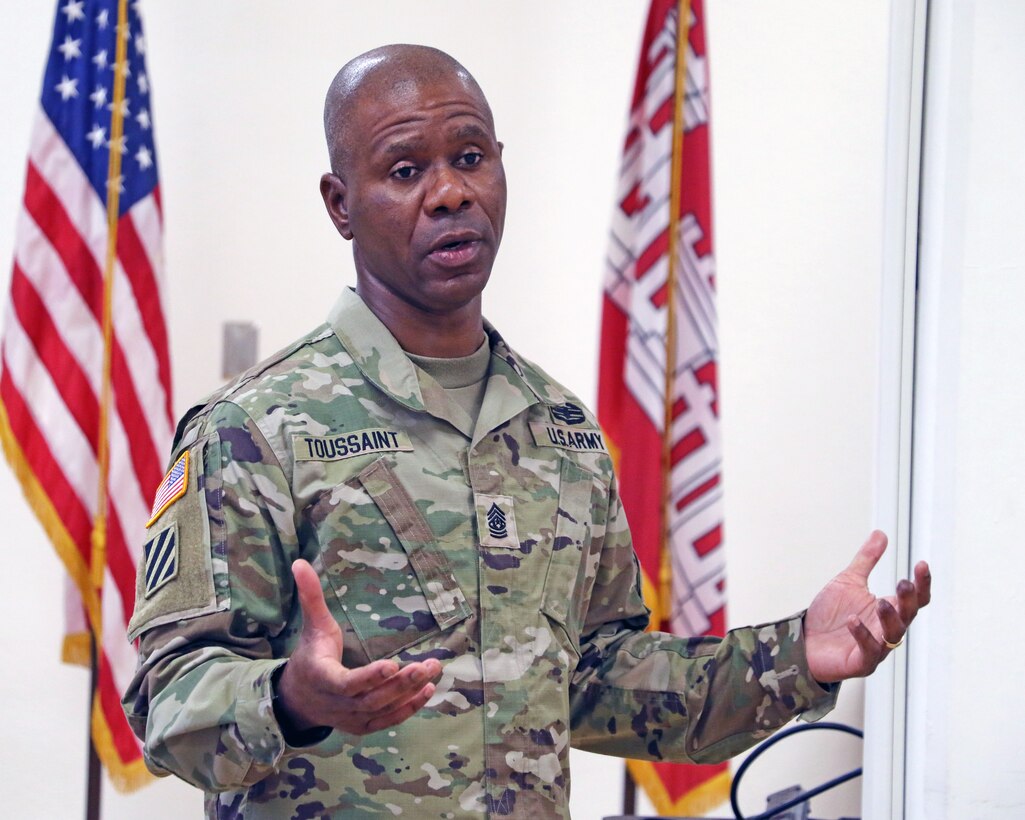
{"x": 51, "y": 381}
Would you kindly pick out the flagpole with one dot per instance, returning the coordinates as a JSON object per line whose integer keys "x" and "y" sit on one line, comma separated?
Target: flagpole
{"x": 98, "y": 553}
{"x": 662, "y": 613}
{"x": 92, "y": 782}
{"x": 665, "y": 579}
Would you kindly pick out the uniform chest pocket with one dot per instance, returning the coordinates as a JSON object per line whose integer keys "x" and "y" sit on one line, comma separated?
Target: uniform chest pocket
{"x": 389, "y": 577}
{"x": 576, "y": 547}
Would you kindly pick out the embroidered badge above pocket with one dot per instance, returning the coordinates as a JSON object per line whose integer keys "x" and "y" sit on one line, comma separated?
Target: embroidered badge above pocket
{"x": 349, "y": 445}
{"x": 496, "y": 521}
{"x": 583, "y": 440}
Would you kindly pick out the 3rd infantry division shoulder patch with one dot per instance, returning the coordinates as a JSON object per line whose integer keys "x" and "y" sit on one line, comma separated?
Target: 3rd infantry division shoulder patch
{"x": 161, "y": 556}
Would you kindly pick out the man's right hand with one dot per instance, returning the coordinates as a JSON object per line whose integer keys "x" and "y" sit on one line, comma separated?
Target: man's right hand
{"x": 315, "y": 689}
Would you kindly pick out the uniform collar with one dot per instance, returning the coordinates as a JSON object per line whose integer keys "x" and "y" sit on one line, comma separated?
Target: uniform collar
{"x": 532, "y": 377}
{"x": 515, "y": 382}
{"x": 374, "y": 350}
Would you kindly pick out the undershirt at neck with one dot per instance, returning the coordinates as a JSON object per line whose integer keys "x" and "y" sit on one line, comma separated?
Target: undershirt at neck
{"x": 464, "y": 378}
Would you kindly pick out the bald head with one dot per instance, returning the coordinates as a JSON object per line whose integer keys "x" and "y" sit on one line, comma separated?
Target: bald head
{"x": 382, "y": 70}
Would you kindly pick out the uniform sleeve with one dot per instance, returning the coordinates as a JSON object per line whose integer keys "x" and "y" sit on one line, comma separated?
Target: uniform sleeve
{"x": 655, "y": 696}
{"x": 213, "y": 603}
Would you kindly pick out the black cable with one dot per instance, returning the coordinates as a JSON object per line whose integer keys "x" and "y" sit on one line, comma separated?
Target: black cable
{"x": 806, "y": 795}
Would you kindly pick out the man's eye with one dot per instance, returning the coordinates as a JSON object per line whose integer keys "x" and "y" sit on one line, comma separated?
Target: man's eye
{"x": 404, "y": 172}
{"x": 471, "y": 158}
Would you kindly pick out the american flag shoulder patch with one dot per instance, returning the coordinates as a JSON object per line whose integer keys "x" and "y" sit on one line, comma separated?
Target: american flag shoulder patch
{"x": 160, "y": 555}
{"x": 171, "y": 488}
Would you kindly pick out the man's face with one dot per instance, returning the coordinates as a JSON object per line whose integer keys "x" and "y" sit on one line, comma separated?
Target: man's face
{"x": 421, "y": 194}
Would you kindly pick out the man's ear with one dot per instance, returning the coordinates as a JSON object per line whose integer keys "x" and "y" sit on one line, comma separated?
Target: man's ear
{"x": 332, "y": 191}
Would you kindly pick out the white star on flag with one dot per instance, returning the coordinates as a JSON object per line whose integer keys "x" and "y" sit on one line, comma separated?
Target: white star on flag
{"x": 123, "y": 68}
{"x": 119, "y": 181}
{"x": 143, "y": 119}
{"x": 73, "y": 10}
{"x": 67, "y": 87}
{"x": 97, "y": 136}
{"x": 143, "y": 84}
{"x": 99, "y": 96}
{"x": 102, "y": 19}
{"x": 101, "y": 59}
{"x": 140, "y": 44}
{"x": 144, "y": 157}
{"x": 118, "y": 146}
{"x": 70, "y": 48}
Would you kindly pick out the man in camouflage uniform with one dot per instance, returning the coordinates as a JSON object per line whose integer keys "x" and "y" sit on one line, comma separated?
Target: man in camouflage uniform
{"x": 389, "y": 572}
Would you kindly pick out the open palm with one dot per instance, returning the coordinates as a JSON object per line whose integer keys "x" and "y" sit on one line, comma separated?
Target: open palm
{"x": 848, "y": 629}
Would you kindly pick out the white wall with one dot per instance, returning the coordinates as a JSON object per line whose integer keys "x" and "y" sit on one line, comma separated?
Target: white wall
{"x": 964, "y": 730}
{"x": 798, "y": 112}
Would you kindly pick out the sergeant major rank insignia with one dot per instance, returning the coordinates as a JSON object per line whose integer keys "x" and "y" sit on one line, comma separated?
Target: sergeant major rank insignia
{"x": 496, "y": 521}
{"x": 160, "y": 554}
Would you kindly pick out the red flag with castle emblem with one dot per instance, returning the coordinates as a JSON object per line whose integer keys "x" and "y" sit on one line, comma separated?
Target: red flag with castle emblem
{"x": 657, "y": 393}
{"x": 85, "y": 376}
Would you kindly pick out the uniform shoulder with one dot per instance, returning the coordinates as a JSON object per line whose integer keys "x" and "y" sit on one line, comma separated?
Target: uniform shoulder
{"x": 270, "y": 381}
{"x": 556, "y": 393}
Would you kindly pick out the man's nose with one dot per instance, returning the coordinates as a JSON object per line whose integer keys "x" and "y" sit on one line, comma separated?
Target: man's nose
{"x": 447, "y": 192}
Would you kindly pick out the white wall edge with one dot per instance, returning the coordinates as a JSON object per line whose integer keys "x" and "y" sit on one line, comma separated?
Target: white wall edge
{"x": 938, "y": 341}
{"x": 885, "y": 692}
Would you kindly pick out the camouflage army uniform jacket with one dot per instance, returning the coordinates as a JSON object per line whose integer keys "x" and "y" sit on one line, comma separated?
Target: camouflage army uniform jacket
{"x": 500, "y": 548}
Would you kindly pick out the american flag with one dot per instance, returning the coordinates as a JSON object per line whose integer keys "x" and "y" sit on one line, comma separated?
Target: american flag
{"x": 171, "y": 488}
{"x": 657, "y": 387}
{"x": 85, "y": 374}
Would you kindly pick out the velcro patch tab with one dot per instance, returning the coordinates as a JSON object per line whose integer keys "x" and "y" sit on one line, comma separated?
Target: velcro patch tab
{"x": 348, "y": 445}
{"x": 160, "y": 554}
{"x": 496, "y": 522}
{"x": 171, "y": 488}
{"x": 584, "y": 440}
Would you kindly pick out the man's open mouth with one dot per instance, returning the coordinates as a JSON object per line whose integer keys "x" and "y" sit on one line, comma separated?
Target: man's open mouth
{"x": 457, "y": 251}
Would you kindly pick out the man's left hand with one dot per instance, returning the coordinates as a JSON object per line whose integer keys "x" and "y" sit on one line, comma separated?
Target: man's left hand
{"x": 847, "y": 628}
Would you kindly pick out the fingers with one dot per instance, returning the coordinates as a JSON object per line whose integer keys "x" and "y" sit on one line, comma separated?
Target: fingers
{"x": 911, "y": 597}
{"x": 892, "y": 622}
{"x": 401, "y": 713}
{"x": 907, "y": 602}
{"x": 316, "y": 615}
{"x": 872, "y": 650}
{"x": 394, "y": 689}
{"x": 923, "y": 583}
{"x": 382, "y": 704}
{"x": 371, "y": 678}
{"x": 896, "y": 614}
{"x": 869, "y": 554}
